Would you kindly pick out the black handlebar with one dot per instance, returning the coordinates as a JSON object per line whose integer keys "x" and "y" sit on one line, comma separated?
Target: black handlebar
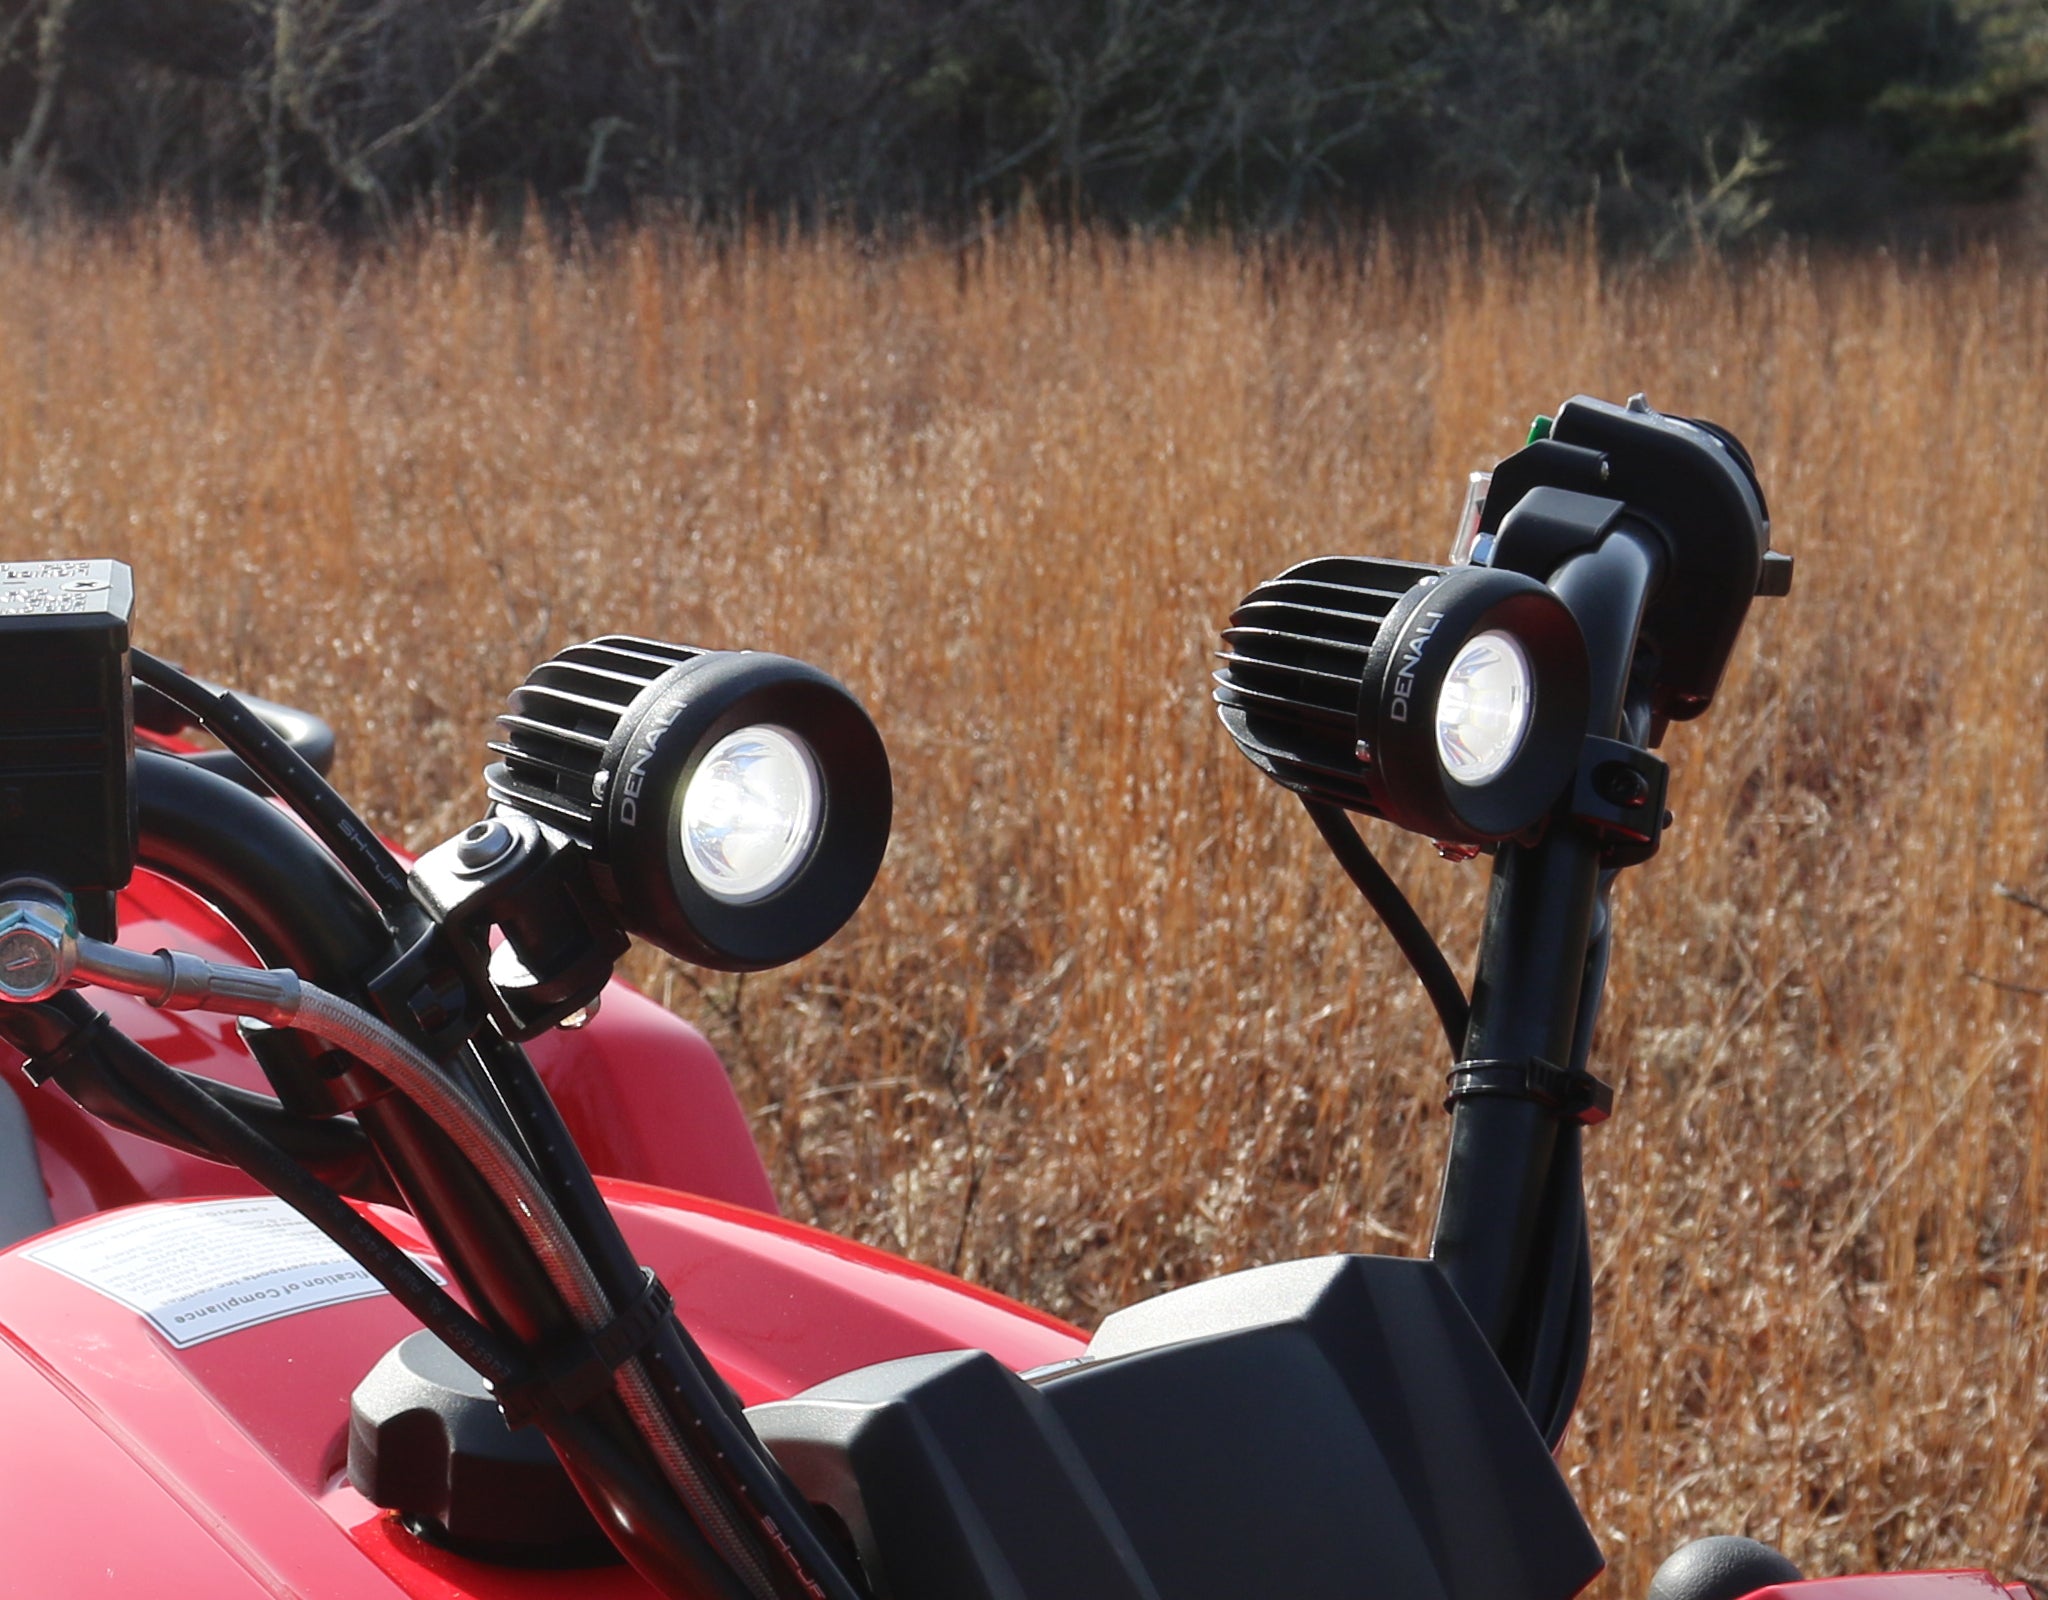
{"x": 1498, "y": 1214}
{"x": 1653, "y": 532}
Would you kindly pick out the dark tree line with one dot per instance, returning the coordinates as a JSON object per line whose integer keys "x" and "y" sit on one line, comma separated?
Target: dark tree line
{"x": 1665, "y": 118}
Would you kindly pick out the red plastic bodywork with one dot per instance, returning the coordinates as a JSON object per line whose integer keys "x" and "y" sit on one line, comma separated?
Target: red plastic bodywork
{"x": 132, "y": 1467}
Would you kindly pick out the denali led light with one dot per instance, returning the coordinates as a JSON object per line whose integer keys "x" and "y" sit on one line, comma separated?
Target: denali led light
{"x": 1450, "y": 701}
{"x": 750, "y": 814}
{"x": 735, "y": 805}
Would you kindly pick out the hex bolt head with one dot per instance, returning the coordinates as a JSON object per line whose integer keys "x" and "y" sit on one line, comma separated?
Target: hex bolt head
{"x": 38, "y": 950}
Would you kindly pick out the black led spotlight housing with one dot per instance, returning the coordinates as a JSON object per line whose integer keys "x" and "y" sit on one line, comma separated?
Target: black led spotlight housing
{"x": 1450, "y": 701}
{"x": 735, "y": 805}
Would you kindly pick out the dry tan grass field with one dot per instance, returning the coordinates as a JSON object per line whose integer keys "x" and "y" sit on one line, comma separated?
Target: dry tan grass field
{"x": 1111, "y": 1021}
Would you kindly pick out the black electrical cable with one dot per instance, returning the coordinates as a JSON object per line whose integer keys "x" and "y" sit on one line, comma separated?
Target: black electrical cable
{"x": 1552, "y": 1360}
{"x": 1391, "y": 906}
{"x": 334, "y": 1152}
{"x": 1565, "y": 1322}
{"x": 303, "y": 731}
{"x": 1579, "y": 1341}
{"x": 67, "y": 1023}
{"x": 1563, "y": 1325}
{"x": 693, "y": 1393}
{"x": 273, "y": 759}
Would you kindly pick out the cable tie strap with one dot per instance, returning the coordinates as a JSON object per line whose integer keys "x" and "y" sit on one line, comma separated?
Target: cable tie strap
{"x": 1570, "y": 1096}
{"x": 578, "y": 1370}
{"x": 44, "y": 1065}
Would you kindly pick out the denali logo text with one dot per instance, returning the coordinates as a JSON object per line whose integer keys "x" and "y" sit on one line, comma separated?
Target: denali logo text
{"x": 636, "y": 774}
{"x": 1411, "y": 656}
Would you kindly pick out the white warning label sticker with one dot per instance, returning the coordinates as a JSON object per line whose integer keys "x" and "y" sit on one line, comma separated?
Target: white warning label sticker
{"x": 199, "y": 1271}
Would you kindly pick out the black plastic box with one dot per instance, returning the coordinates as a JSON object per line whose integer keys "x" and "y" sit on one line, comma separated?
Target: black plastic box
{"x": 67, "y": 731}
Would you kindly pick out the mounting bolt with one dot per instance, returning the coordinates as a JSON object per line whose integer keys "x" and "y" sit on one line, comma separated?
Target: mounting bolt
{"x": 38, "y": 949}
{"x": 483, "y": 844}
{"x": 1620, "y": 785}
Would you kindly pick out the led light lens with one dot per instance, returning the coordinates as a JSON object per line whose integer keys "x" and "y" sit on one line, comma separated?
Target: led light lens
{"x": 1483, "y": 711}
{"x": 751, "y": 814}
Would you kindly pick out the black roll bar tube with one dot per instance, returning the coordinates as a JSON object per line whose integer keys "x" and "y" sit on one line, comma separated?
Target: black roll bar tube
{"x": 1654, "y": 531}
{"x": 287, "y": 896}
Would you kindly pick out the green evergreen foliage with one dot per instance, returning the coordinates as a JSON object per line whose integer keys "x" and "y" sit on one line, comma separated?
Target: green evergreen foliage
{"x": 1968, "y": 136}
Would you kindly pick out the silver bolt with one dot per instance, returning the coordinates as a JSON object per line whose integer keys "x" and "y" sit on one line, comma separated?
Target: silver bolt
{"x": 38, "y": 950}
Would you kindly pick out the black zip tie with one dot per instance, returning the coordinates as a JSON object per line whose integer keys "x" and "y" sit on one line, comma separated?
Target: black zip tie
{"x": 578, "y": 1370}
{"x": 44, "y": 1065}
{"x": 1569, "y": 1096}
